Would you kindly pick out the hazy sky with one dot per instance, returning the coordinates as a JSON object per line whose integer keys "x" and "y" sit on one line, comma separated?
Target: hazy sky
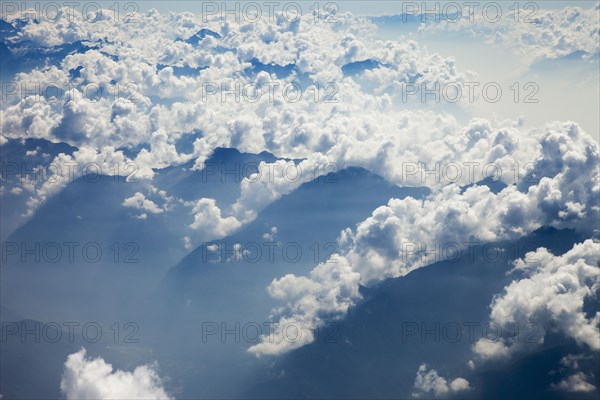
{"x": 356, "y": 6}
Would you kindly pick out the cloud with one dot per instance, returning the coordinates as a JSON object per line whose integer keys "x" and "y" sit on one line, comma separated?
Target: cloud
{"x": 429, "y": 382}
{"x": 383, "y": 245}
{"x": 363, "y": 128}
{"x": 187, "y": 243}
{"x": 327, "y": 292}
{"x": 574, "y": 379}
{"x": 538, "y": 34}
{"x": 550, "y": 293}
{"x": 158, "y": 107}
{"x": 270, "y": 235}
{"x": 140, "y": 202}
{"x": 85, "y": 378}
{"x": 575, "y": 383}
{"x": 209, "y": 221}
{"x": 168, "y": 103}
{"x": 272, "y": 181}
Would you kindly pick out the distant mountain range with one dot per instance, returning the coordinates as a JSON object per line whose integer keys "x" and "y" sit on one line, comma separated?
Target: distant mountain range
{"x": 403, "y": 322}
{"x": 172, "y": 292}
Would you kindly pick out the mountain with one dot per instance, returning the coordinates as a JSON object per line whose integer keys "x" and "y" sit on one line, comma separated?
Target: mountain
{"x": 134, "y": 252}
{"x": 376, "y": 350}
{"x": 196, "y": 38}
{"x": 357, "y": 67}
{"x": 7, "y": 32}
{"x": 208, "y": 287}
{"x": 18, "y": 158}
{"x": 24, "y": 56}
{"x": 281, "y": 71}
{"x": 220, "y": 178}
{"x": 6, "y": 56}
{"x": 301, "y": 227}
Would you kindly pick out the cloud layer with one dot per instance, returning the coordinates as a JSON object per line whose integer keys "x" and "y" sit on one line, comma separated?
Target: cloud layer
{"x": 562, "y": 193}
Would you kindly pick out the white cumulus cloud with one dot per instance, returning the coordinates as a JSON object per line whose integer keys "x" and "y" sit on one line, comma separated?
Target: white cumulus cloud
{"x": 429, "y": 382}
{"x": 140, "y": 202}
{"x": 209, "y": 221}
{"x": 94, "y": 379}
{"x": 550, "y": 293}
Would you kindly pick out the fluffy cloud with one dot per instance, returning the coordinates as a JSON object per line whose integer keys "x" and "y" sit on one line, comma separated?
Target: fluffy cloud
{"x": 429, "y": 382}
{"x": 390, "y": 242}
{"x": 575, "y": 383}
{"x": 157, "y": 107}
{"x": 85, "y": 378}
{"x": 208, "y": 220}
{"x": 140, "y": 202}
{"x": 274, "y": 180}
{"x": 361, "y": 128}
{"x": 574, "y": 379}
{"x": 270, "y": 235}
{"x": 109, "y": 64}
{"x": 327, "y": 292}
{"x": 550, "y": 293}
